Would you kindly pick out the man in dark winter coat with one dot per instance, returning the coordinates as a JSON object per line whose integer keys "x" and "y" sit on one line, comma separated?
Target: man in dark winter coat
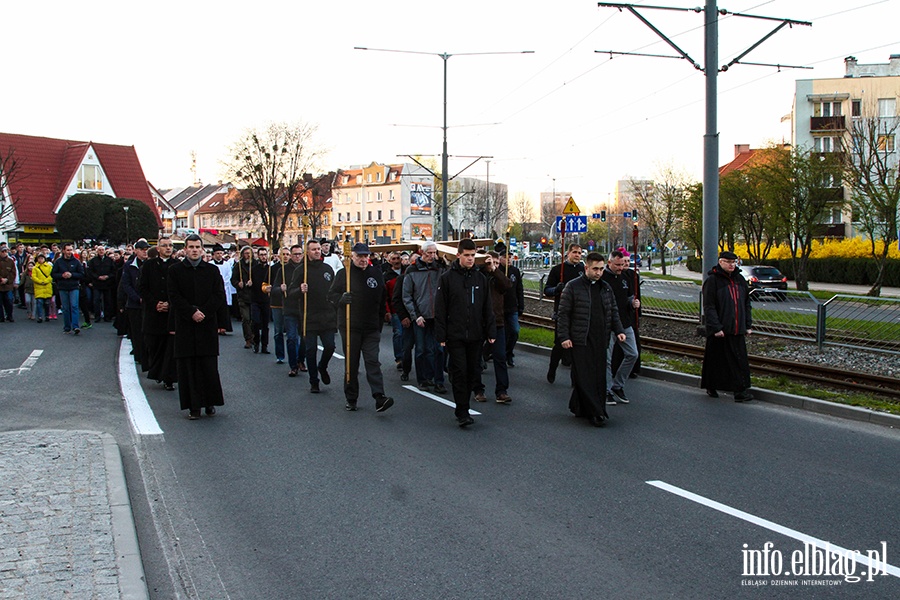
{"x": 296, "y": 352}
{"x": 726, "y": 307}
{"x": 514, "y": 304}
{"x": 131, "y": 287}
{"x": 155, "y": 300}
{"x": 242, "y": 281}
{"x": 367, "y": 309}
{"x": 197, "y": 312}
{"x": 419, "y": 292}
{"x": 621, "y": 280}
{"x": 310, "y": 283}
{"x": 587, "y": 315}
{"x": 101, "y": 270}
{"x": 464, "y": 319}
{"x": 67, "y": 274}
{"x": 260, "y": 306}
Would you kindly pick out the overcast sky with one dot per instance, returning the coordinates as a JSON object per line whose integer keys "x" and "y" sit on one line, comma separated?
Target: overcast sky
{"x": 174, "y": 77}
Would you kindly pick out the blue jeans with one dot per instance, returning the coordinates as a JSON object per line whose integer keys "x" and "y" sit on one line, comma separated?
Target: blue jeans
{"x": 295, "y": 350}
{"x": 40, "y": 308}
{"x": 429, "y": 357}
{"x": 511, "y": 324}
{"x": 278, "y": 322}
{"x": 69, "y": 299}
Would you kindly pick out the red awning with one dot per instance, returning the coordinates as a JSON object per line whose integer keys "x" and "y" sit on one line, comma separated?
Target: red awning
{"x": 260, "y": 242}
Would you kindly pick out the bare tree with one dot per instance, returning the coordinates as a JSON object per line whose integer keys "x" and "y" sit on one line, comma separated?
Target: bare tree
{"x": 521, "y": 212}
{"x": 315, "y": 200}
{"x": 11, "y": 178}
{"x": 269, "y": 166}
{"x": 870, "y": 173}
{"x": 661, "y": 204}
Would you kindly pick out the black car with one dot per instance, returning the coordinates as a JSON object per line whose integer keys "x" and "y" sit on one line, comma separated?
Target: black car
{"x": 768, "y": 280}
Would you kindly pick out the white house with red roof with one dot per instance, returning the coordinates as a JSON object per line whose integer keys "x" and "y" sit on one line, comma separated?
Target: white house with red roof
{"x": 49, "y": 171}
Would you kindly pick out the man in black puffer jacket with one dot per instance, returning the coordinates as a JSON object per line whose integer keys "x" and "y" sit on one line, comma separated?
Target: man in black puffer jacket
{"x": 308, "y": 295}
{"x": 587, "y": 314}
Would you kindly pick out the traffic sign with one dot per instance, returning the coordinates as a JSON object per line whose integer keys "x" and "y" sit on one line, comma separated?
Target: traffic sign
{"x": 571, "y": 208}
{"x": 596, "y": 216}
{"x": 670, "y": 245}
{"x": 574, "y": 223}
{"x": 627, "y": 215}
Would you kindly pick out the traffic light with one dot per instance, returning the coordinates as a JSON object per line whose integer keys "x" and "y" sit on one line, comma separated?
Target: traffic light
{"x": 649, "y": 247}
{"x": 603, "y": 216}
{"x": 543, "y": 239}
{"x": 634, "y": 215}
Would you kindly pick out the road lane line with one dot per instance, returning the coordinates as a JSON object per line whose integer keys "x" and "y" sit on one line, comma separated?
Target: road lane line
{"x": 862, "y": 559}
{"x": 413, "y": 388}
{"x": 26, "y": 365}
{"x": 335, "y": 354}
{"x": 141, "y": 416}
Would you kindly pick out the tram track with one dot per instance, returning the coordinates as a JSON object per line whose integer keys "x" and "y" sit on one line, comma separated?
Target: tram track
{"x": 841, "y": 378}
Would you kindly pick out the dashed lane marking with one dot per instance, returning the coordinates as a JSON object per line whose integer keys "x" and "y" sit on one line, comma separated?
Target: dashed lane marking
{"x": 444, "y": 401}
{"x": 26, "y": 366}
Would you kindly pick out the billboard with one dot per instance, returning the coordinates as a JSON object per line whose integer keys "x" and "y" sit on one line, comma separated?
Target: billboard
{"x": 420, "y": 198}
{"x": 420, "y": 231}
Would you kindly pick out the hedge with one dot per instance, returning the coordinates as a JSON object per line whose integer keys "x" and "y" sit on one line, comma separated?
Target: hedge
{"x": 854, "y": 271}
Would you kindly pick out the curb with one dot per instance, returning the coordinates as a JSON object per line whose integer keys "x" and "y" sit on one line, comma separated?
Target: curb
{"x": 844, "y": 411}
{"x": 132, "y": 583}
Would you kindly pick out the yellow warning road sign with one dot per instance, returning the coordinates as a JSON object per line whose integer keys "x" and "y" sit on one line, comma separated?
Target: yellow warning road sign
{"x": 571, "y": 208}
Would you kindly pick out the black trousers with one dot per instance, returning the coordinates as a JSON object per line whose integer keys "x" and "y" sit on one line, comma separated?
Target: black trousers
{"x": 103, "y": 303}
{"x": 260, "y": 316}
{"x": 136, "y": 333}
{"x": 367, "y": 343}
{"x": 465, "y": 372}
{"x": 161, "y": 357}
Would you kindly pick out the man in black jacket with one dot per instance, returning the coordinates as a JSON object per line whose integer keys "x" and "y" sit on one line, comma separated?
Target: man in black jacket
{"x": 622, "y": 281}
{"x": 101, "y": 271}
{"x": 154, "y": 290}
{"x": 514, "y": 303}
{"x": 308, "y": 293}
{"x": 260, "y": 307}
{"x": 464, "y": 319}
{"x": 587, "y": 314}
{"x": 295, "y": 351}
{"x": 67, "y": 274}
{"x": 365, "y": 297}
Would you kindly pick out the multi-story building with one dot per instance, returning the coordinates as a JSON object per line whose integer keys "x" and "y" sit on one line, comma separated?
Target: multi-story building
{"x": 383, "y": 203}
{"x": 187, "y": 201}
{"x": 478, "y": 207}
{"x": 825, "y": 111}
{"x": 552, "y": 204}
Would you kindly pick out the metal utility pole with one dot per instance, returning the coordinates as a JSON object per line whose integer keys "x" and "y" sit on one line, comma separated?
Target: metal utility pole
{"x": 711, "y": 70}
{"x": 445, "y": 167}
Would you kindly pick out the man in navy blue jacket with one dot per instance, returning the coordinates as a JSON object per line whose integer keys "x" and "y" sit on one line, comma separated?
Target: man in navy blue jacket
{"x": 67, "y": 274}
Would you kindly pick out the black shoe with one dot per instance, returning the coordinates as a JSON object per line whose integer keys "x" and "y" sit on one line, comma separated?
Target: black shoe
{"x": 399, "y": 365}
{"x": 404, "y": 376}
{"x": 744, "y": 396}
{"x": 598, "y": 421}
{"x": 619, "y": 393}
{"x": 425, "y": 386}
{"x": 382, "y": 403}
{"x": 323, "y": 374}
{"x": 292, "y": 373}
{"x": 439, "y": 388}
{"x": 210, "y": 411}
{"x": 170, "y": 387}
{"x": 194, "y": 415}
{"x": 265, "y": 350}
{"x": 465, "y": 421}
{"x": 350, "y": 406}
{"x": 76, "y": 331}
{"x": 255, "y": 348}
{"x": 314, "y": 387}
{"x": 551, "y": 375}
{"x": 610, "y": 399}
{"x": 510, "y": 363}
{"x": 712, "y": 393}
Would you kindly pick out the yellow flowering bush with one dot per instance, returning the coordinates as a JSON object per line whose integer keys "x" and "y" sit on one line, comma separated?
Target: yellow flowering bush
{"x": 846, "y": 248}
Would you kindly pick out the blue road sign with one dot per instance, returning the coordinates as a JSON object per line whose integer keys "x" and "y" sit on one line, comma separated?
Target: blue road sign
{"x": 574, "y": 223}
{"x": 538, "y": 246}
{"x": 596, "y": 216}
{"x": 627, "y": 215}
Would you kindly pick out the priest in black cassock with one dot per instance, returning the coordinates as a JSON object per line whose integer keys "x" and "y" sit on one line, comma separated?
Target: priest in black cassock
{"x": 587, "y": 315}
{"x": 197, "y": 307}
{"x": 160, "y": 345}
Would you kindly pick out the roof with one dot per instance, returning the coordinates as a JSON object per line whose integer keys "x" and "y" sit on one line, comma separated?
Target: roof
{"x": 48, "y": 165}
{"x": 740, "y": 161}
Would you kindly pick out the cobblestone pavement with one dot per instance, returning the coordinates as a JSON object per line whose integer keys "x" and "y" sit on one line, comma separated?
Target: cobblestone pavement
{"x": 57, "y": 532}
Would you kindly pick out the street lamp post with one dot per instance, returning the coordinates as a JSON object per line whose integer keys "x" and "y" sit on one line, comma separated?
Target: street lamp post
{"x": 127, "y": 235}
{"x": 445, "y": 179}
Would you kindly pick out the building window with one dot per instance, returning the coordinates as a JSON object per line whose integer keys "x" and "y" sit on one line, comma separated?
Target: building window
{"x": 827, "y": 109}
{"x": 391, "y": 215}
{"x": 358, "y": 179}
{"x": 379, "y": 216}
{"x": 378, "y": 177}
{"x": 369, "y": 216}
{"x": 357, "y": 216}
{"x": 827, "y": 144}
{"x": 90, "y": 178}
{"x": 885, "y": 143}
{"x": 391, "y": 195}
{"x": 384, "y": 233}
{"x": 856, "y": 108}
{"x": 393, "y": 234}
{"x": 887, "y": 107}
{"x": 345, "y": 180}
{"x": 340, "y": 217}
{"x": 378, "y": 197}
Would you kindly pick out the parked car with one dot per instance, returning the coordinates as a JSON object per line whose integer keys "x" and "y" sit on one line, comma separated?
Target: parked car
{"x": 768, "y": 280}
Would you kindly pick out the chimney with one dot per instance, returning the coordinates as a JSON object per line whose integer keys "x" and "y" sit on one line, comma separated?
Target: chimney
{"x": 850, "y": 66}
{"x": 741, "y": 149}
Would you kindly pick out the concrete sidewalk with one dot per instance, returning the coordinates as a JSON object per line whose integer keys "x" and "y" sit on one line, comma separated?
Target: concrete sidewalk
{"x": 66, "y": 524}
{"x": 838, "y": 288}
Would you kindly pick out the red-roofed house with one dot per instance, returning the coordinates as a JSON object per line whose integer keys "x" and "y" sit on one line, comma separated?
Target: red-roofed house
{"x": 50, "y": 171}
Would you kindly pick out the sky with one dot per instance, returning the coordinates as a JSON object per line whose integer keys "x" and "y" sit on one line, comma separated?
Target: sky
{"x": 172, "y": 78}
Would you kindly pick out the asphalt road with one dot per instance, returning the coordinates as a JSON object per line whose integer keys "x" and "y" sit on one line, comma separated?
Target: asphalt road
{"x": 285, "y": 495}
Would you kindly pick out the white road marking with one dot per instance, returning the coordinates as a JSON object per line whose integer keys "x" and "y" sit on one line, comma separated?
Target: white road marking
{"x": 862, "y": 559}
{"x": 26, "y": 366}
{"x": 141, "y": 416}
{"x": 413, "y": 388}
{"x": 336, "y": 355}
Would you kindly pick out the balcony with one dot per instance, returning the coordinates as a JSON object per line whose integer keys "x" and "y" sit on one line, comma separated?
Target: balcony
{"x": 826, "y": 123}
